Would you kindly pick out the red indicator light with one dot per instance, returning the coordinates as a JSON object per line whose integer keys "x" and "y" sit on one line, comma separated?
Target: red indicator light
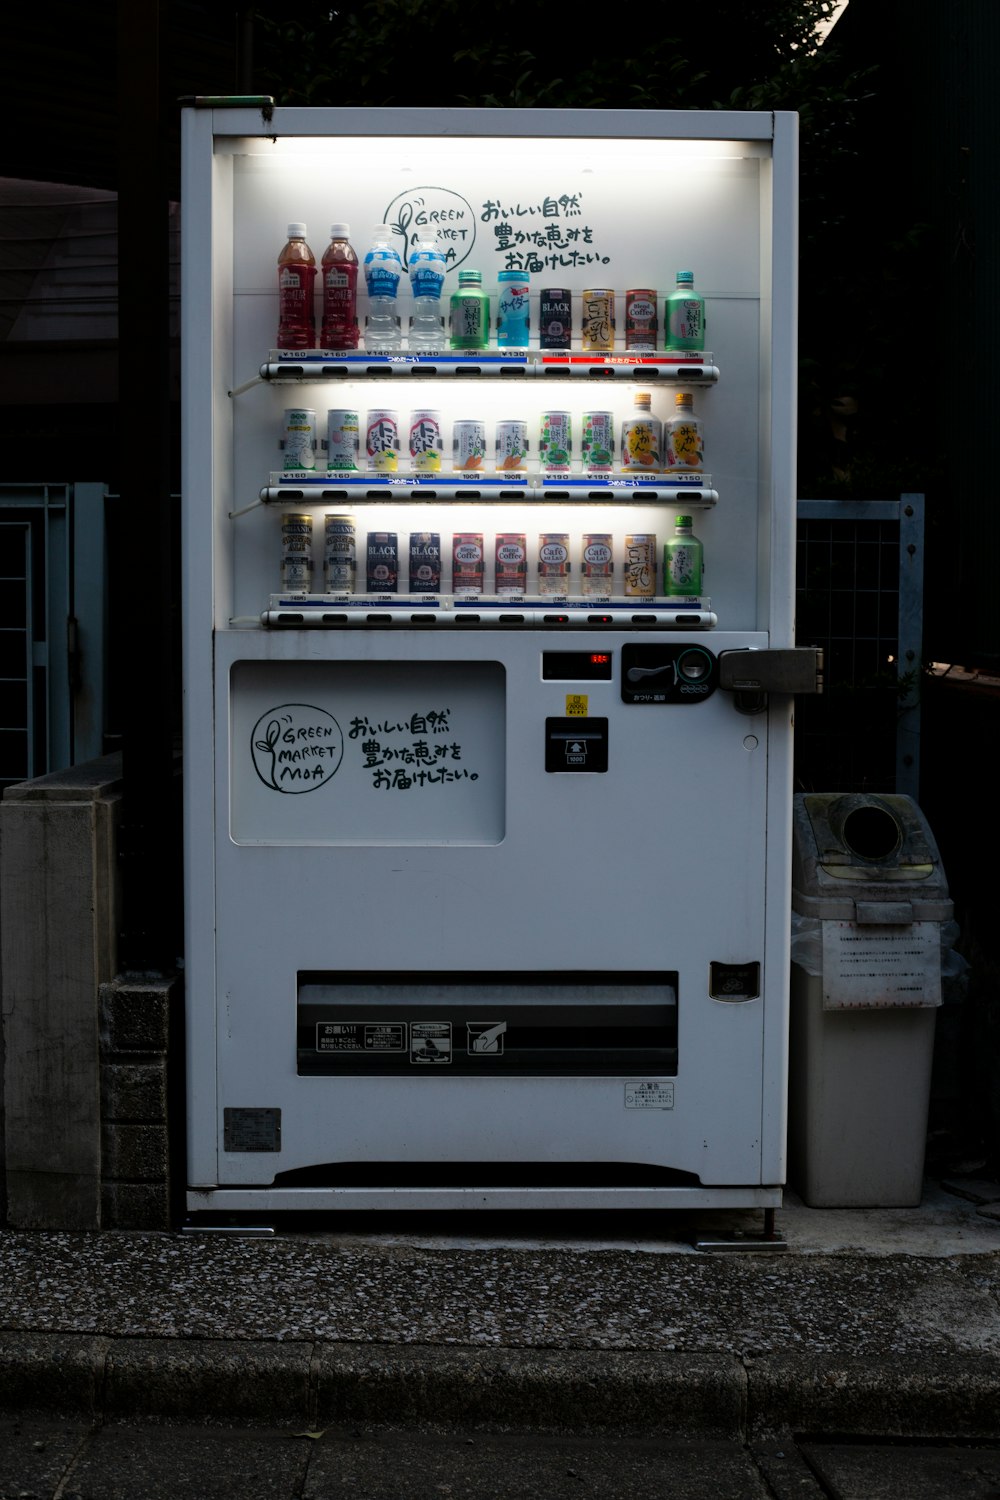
{"x": 600, "y": 656}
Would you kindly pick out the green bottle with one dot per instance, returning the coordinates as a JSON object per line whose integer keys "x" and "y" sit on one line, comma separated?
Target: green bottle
{"x": 682, "y": 562}
{"x": 470, "y": 313}
{"x": 684, "y": 315}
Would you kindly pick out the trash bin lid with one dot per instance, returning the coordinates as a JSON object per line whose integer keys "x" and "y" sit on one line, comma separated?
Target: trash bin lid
{"x": 850, "y": 847}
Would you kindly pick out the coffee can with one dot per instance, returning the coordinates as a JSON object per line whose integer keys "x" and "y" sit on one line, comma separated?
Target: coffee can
{"x": 553, "y": 562}
{"x": 555, "y": 445}
{"x": 640, "y": 319}
{"x": 640, "y": 565}
{"x": 340, "y": 554}
{"x": 467, "y": 562}
{"x": 468, "y": 444}
{"x": 511, "y": 555}
{"x": 598, "y": 319}
{"x": 383, "y": 562}
{"x": 296, "y": 553}
{"x": 511, "y": 446}
{"x": 426, "y": 445}
{"x": 425, "y": 562}
{"x": 298, "y": 438}
{"x": 382, "y": 440}
{"x": 555, "y": 317}
{"x": 343, "y": 444}
{"x": 597, "y": 570}
{"x": 598, "y": 446}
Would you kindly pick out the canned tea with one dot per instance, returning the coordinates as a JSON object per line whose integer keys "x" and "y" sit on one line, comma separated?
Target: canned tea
{"x": 425, "y": 442}
{"x": 425, "y": 562}
{"x": 598, "y": 568}
{"x": 640, "y": 565}
{"x": 383, "y": 562}
{"x": 598, "y": 446}
{"x": 382, "y": 441}
{"x": 511, "y": 446}
{"x": 598, "y": 325}
{"x": 298, "y": 438}
{"x": 555, "y": 447}
{"x": 640, "y": 319}
{"x": 511, "y": 562}
{"x": 553, "y": 563}
{"x": 555, "y": 317}
{"x": 468, "y": 444}
{"x": 342, "y": 441}
{"x": 467, "y": 562}
{"x": 296, "y": 553}
{"x": 340, "y": 554}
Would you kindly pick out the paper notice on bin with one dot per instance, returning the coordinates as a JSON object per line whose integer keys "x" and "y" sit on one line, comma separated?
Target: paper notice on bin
{"x": 876, "y": 968}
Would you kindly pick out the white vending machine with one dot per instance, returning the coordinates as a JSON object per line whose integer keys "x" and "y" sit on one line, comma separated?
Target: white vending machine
{"x": 488, "y": 846}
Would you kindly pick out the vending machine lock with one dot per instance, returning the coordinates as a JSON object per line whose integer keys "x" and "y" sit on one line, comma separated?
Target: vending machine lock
{"x": 750, "y": 674}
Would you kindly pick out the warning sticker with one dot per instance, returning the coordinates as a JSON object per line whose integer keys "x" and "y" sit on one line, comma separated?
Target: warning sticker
{"x": 360, "y": 1036}
{"x": 577, "y": 705}
{"x": 430, "y": 1042}
{"x": 652, "y": 1095}
{"x": 485, "y": 1038}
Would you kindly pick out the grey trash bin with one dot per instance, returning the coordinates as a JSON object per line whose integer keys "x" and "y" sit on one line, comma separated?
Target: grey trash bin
{"x": 870, "y": 915}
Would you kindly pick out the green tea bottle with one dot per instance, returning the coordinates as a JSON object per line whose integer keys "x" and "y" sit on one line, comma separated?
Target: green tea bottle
{"x": 470, "y": 313}
{"x": 684, "y": 315}
{"x": 683, "y": 557}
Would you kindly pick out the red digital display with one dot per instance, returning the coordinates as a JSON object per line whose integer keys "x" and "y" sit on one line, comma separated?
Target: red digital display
{"x": 600, "y": 656}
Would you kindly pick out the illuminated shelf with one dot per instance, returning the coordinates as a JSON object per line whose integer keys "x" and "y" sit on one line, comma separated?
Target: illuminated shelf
{"x": 294, "y": 365}
{"x": 302, "y": 486}
{"x": 486, "y": 611}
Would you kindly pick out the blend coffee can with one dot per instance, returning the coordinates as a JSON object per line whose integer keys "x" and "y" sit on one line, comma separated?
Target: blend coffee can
{"x": 467, "y": 562}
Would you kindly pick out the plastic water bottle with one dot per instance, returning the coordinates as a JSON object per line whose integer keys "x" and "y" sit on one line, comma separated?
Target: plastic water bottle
{"x": 383, "y": 268}
{"x": 427, "y": 269}
{"x": 340, "y": 292}
{"x": 296, "y": 278}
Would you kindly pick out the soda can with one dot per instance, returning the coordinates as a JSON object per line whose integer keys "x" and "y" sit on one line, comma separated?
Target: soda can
{"x": 598, "y": 564}
{"x": 555, "y": 447}
{"x": 468, "y": 444}
{"x": 553, "y": 562}
{"x": 343, "y": 444}
{"x": 298, "y": 438}
{"x": 425, "y": 442}
{"x": 640, "y": 319}
{"x": 598, "y": 448}
{"x": 467, "y": 562}
{"x": 511, "y": 554}
{"x": 296, "y": 553}
{"x": 555, "y": 317}
{"x": 511, "y": 446}
{"x": 340, "y": 554}
{"x": 383, "y": 562}
{"x": 640, "y": 565}
{"x": 513, "y": 321}
{"x": 425, "y": 562}
{"x": 598, "y": 325}
{"x": 382, "y": 441}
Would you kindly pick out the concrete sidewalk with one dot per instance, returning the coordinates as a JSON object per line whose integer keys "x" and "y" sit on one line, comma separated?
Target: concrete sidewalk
{"x": 870, "y": 1323}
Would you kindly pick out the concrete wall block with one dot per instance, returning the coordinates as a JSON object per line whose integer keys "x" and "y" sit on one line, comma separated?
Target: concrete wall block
{"x": 134, "y": 1092}
{"x": 135, "y": 1205}
{"x": 135, "y": 1015}
{"x": 137, "y": 1153}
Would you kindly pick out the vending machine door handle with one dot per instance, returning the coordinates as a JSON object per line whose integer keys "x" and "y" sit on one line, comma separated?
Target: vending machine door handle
{"x": 750, "y": 675}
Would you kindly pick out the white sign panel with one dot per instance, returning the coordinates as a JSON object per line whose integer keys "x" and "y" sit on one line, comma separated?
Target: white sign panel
{"x": 870, "y": 968}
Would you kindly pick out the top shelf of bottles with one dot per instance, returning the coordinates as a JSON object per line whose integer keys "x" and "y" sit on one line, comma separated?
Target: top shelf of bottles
{"x": 287, "y": 365}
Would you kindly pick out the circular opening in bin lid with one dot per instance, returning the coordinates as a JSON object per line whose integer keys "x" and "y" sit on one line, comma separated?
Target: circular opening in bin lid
{"x": 872, "y": 833}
